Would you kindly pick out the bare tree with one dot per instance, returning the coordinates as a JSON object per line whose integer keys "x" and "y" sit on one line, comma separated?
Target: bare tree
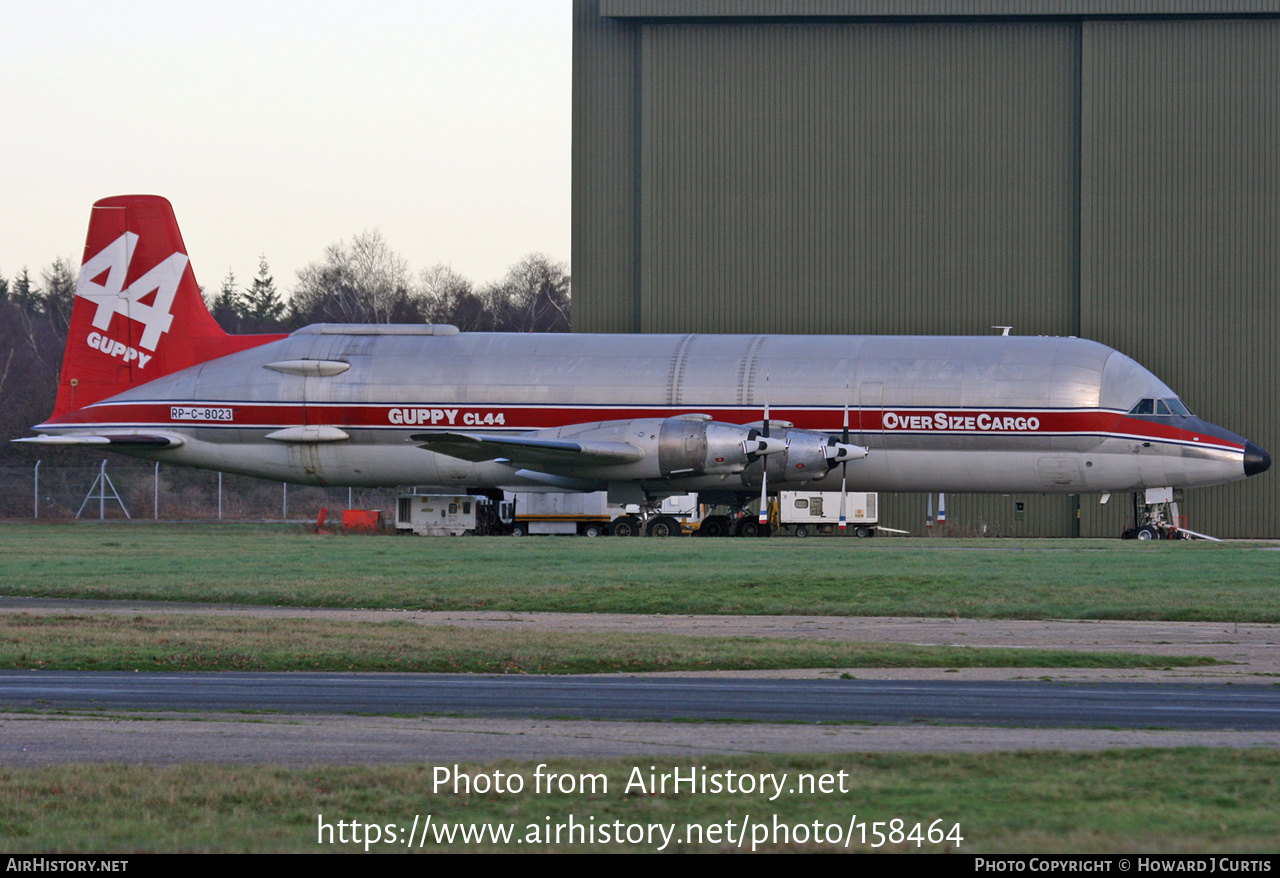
{"x": 533, "y": 297}
{"x": 361, "y": 282}
{"x": 448, "y": 297}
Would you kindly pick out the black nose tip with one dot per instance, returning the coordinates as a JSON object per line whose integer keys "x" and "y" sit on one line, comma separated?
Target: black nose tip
{"x": 1255, "y": 460}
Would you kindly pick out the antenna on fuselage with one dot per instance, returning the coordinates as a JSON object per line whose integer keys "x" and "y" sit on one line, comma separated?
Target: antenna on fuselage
{"x": 1006, "y": 329}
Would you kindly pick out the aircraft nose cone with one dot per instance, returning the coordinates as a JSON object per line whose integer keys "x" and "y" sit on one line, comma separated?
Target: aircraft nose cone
{"x": 1255, "y": 460}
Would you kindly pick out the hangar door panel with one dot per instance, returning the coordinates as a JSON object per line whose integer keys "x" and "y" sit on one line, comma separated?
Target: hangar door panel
{"x": 841, "y": 177}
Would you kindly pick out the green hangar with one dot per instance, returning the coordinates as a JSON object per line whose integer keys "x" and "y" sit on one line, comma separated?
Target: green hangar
{"x": 1098, "y": 168}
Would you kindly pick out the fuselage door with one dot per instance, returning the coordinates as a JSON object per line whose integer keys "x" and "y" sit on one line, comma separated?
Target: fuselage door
{"x": 309, "y": 382}
{"x": 1057, "y": 473}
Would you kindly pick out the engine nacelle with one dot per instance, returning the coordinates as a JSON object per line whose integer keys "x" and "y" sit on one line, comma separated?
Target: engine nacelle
{"x": 694, "y": 445}
{"x": 679, "y": 447}
{"x": 691, "y": 446}
{"x": 809, "y": 455}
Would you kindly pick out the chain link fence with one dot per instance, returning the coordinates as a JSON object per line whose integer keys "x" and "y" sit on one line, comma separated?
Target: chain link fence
{"x": 118, "y": 490}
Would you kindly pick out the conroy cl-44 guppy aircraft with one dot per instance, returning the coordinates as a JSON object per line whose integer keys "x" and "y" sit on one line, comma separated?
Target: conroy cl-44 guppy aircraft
{"x": 148, "y": 373}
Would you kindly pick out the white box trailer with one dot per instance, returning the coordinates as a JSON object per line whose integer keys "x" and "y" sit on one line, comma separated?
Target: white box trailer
{"x": 557, "y": 513}
{"x": 592, "y": 514}
{"x": 438, "y": 515}
{"x": 803, "y": 512}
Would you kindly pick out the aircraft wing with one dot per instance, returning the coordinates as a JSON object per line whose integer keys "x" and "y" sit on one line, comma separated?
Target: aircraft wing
{"x": 530, "y": 451}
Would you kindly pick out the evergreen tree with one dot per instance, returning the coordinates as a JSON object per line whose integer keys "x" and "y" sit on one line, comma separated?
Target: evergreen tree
{"x": 58, "y": 293}
{"x": 228, "y": 306}
{"x": 262, "y": 306}
{"x": 23, "y": 294}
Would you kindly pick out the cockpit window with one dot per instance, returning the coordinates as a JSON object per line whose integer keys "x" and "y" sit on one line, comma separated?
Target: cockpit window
{"x": 1171, "y": 406}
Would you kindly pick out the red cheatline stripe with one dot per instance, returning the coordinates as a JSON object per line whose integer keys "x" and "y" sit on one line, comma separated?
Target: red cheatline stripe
{"x": 915, "y": 422}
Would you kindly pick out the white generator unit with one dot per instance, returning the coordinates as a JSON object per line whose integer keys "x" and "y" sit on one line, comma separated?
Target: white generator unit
{"x": 806, "y": 511}
{"x": 437, "y": 515}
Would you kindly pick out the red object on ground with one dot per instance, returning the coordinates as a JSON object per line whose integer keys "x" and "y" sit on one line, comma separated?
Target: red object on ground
{"x": 362, "y": 520}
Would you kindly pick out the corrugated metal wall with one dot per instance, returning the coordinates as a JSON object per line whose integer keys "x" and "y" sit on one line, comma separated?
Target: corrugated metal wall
{"x": 605, "y": 223}
{"x": 976, "y": 515}
{"x": 1181, "y": 256}
{"x": 858, "y": 178}
{"x": 1114, "y": 179}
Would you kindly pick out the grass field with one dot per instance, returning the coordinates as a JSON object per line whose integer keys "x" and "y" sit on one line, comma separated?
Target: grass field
{"x": 1190, "y": 801}
{"x": 1136, "y": 801}
{"x": 108, "y": 642}
{"x": 1022, "y": 579}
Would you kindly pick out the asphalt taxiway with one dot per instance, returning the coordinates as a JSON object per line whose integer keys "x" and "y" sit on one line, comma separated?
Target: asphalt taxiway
{"x": 298, "y": 718}
{"x": 638, "y": 698}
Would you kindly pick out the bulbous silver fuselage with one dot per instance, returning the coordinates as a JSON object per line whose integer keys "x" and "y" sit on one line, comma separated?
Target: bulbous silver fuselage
{"x": 337, "y": 405}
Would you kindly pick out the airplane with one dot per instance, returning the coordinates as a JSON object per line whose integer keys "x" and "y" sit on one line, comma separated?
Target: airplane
{"x": 149, "y": 373}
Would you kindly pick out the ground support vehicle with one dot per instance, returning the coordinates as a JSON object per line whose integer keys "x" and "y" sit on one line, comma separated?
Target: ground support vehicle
{"x": 804, "y": 512}
{"x": 438, "y": 515}
{"x": 587, "y": 514}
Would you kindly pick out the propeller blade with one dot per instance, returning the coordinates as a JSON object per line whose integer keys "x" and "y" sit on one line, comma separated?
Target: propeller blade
{"x": 765, "y": 432}
{"x": 764, "y": 464}
{"x": 844, "y": 467}
{"x": 764, "y": 497}
{"x": 844, "y": 436}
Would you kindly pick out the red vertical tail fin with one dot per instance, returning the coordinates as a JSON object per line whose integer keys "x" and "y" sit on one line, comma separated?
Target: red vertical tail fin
{"x": 138, "y": 312}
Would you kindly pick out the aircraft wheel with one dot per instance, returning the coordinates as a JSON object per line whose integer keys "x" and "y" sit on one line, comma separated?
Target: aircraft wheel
{"x": 714, "y": 526}
{"x": 802, "y": 531}
{"x": 664, "y": 526}
{"x": 518, "y": 530}
{"x": 862, "y": 532}
{"x": 1148, "y": 533}
{"x": 627, "y": 526}
{"x": 748, "y": 527}
{"x": 593, "y": 530}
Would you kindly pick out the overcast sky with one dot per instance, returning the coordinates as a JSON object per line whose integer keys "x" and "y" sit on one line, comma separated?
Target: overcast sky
{"x": 280, "y": 127}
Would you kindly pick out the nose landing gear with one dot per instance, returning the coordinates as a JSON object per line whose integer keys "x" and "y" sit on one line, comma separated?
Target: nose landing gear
{"x": 1155, "y": 517}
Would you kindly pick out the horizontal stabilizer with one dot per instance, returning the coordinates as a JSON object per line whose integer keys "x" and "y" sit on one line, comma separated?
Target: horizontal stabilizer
{"x": 136, "y": 440}
{"x": 529, "y": 451}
